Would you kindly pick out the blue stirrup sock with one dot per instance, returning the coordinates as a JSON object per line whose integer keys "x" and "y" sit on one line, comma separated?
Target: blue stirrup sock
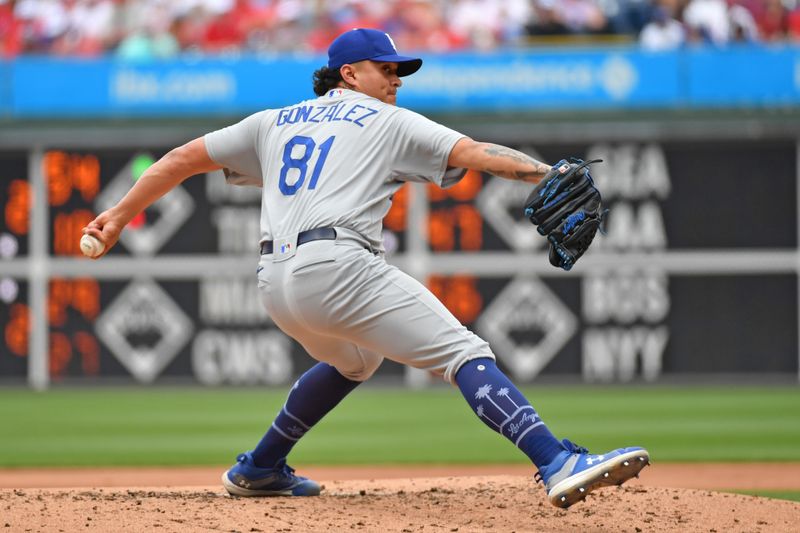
{"x": 313, "y": 395}
{"x": 502, "y": 407}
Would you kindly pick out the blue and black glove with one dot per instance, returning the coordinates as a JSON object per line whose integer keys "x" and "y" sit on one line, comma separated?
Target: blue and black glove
{"x": 566, "y": 207}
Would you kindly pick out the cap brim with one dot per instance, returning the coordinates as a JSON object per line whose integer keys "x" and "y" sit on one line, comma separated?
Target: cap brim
{"x": 405, "y": 65}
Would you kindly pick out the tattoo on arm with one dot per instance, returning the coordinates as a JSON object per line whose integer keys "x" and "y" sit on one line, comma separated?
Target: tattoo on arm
{"x": 536, "y": 169}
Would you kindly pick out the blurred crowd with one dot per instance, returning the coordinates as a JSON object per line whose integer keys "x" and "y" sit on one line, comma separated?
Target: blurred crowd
{"x": 144, "y": 29}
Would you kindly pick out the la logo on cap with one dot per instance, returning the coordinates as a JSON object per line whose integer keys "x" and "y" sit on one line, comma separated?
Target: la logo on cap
{"x": 361, "y": 44}
{"x": 394, "y": 46}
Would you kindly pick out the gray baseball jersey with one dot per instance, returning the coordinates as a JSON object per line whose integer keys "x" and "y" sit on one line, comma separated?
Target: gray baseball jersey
{"x": 334, "y": 161}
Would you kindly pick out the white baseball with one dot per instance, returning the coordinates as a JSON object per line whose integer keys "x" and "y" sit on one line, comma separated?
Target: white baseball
{"x": 91, "y": 246}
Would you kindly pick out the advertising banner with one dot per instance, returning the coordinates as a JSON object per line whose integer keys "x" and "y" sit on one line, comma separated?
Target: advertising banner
{"x": 610, "y": 78}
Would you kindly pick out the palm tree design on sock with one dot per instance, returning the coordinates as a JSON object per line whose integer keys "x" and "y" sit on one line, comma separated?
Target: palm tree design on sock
{"x": 503, "y": 393}
{"x": 479, "y": 410}
{"x": 484, "y": 392}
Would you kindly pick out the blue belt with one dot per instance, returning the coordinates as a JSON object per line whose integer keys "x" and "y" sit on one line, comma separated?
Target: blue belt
{"x": 316, "y": 234}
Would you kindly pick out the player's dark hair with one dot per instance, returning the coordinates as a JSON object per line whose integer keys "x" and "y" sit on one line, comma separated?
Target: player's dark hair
{"x": 326, "y": 79}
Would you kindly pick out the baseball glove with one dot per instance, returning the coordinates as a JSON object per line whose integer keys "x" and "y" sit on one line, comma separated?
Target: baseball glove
{"x": 566, "y": 207}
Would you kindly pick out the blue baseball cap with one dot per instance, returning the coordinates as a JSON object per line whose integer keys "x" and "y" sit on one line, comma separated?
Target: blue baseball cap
{"x": 364, "y": 43}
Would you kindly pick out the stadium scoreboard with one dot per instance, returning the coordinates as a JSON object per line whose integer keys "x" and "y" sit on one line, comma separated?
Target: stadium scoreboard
{"x": 697, "y": 272}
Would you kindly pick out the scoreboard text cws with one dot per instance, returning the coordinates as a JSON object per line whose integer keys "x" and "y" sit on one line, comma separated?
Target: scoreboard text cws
{"x": 638, "y": 314}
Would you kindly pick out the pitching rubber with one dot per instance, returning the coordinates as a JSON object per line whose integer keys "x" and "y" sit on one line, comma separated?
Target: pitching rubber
{"x": 612, "y": 472}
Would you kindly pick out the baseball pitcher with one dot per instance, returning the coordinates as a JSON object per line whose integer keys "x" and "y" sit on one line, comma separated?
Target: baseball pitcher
{"x": 328, "y": 168}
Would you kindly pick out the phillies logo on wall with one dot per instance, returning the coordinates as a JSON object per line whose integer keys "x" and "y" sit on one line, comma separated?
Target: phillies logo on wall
{"x": 527, "y": 325}
{"x": 144, "y": 329}
{"x": 149, "y": 231}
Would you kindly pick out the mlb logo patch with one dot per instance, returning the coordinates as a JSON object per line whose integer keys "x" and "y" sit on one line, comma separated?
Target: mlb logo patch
{"x": 285, "y": 248}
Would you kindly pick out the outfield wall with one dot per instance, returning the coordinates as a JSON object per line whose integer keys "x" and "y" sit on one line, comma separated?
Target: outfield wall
{"x": 697, "y": 277}
{"x": 698, "y": 273}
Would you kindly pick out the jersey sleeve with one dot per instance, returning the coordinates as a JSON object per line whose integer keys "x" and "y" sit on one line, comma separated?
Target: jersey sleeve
{"x": 236, "y": 149}
{"x": 422, "y": 148}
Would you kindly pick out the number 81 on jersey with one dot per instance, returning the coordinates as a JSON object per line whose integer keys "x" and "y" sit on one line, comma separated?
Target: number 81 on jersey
{"x": 301, "y": 163}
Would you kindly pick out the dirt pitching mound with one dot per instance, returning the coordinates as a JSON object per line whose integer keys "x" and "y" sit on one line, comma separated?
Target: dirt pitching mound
{"x": 463, "y": 504}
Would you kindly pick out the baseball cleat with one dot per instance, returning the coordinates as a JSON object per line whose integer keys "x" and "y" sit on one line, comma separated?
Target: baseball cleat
{"x": 574, "y": 473}
{"x": 246, "y": 479}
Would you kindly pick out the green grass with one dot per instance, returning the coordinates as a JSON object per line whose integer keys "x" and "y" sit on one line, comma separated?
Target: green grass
{"x": 791, "y": 495}
{"x": 188, "y": 426}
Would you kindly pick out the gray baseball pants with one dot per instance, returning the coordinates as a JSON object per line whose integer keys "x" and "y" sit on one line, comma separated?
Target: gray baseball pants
{"x": 349, "y": 308}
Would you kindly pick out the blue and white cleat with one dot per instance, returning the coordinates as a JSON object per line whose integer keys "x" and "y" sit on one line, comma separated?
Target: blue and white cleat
{"x": 574, "y": 473}
{"x": 246, "y": 479}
